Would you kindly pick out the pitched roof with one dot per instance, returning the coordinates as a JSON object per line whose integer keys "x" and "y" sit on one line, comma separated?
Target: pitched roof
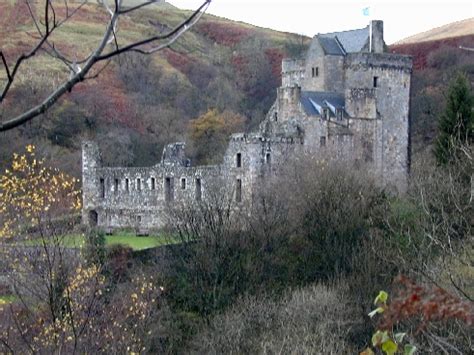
{"x": 313, "y": 102}
{"x": 331, "y": 46}
{"x": 352, "y": 41}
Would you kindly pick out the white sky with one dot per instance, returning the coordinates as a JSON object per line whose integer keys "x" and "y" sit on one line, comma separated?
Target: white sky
{"x": 402, "y": 18}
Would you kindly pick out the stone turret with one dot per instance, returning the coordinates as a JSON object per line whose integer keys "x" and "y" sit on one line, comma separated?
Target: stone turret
{"x": 91, "y": 161}
{"x": 292, "y": 72}
{"x": 288, "y": 102}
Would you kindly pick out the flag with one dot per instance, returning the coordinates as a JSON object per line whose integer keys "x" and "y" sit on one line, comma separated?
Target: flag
{"x": 365, "y": 11}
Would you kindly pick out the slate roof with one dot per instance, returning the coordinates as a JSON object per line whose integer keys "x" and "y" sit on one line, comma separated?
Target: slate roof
{"x": 352, "y": 41}
{"x": 331, "y": 46}
{"x": 313, "y": 102}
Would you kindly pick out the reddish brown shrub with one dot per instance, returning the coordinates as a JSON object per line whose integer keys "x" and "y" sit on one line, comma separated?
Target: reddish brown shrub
{"x": 424, "y": 305}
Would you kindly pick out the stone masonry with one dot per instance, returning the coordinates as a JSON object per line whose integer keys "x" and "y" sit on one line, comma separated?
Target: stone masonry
{"x": 347, "y": 100}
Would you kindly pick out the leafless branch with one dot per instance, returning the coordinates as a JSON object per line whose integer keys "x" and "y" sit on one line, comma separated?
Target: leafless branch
{"x": 79, "y": 74}
{"x": 466, "y": 48}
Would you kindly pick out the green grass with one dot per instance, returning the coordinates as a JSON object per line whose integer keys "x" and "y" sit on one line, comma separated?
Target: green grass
{"x": 6, "y": 299}
{"x": 123, "y": 238}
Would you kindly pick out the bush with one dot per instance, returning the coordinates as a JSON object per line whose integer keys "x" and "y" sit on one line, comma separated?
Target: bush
{"x": 315, "y": 319}
{"x": 94, "y": 250}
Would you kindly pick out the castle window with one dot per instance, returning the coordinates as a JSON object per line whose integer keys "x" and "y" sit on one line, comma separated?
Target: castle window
{"x": 315, "y": 72}
{"x": 153, "y": 183}
{"x": 339, "y": 114}
{"x": 183, "y": 184}
{"x": 376, "y": 81}
{"x": 238, "y": 160}
{"x": 322, "y": 141}
{"x": 275, "y": 115}
{"x": 169, "y": 187}
{"x": 238, "y": 190}
{"x": 198, "y": 190}
{"x": 102, "y": 188}
{"x": 325, "y": 114}
{"x": 268, "y": 158}
{"x": 127, "y": 185}
{"x": 139, "y": 185}
{"x": 116, "y": 185}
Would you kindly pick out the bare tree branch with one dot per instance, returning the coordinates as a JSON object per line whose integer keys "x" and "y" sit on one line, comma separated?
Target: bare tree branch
{"x": 79, "y": 74}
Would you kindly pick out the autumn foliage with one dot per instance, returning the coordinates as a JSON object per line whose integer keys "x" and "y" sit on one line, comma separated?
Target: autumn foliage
{"x": 225, "y": 34}
{"x": 61, "y": 301}
{"x": 31, "y": 193}
{"x": 425, "y": 305}
{"x": 210, "y": 132}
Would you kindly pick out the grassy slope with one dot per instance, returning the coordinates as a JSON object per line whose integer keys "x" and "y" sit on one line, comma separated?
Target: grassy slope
{"x": 113, "y": 104}
{"x": 455, "y": 29}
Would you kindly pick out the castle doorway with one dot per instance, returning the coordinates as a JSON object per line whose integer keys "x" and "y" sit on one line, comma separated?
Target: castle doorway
{"x": 93, "y": 218}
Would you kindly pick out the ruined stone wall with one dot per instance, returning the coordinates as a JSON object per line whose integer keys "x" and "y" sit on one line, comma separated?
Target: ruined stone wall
{"x": 139, "y": 197}
{"x": 292, "y": 72}
{"x": 288, "y": 103}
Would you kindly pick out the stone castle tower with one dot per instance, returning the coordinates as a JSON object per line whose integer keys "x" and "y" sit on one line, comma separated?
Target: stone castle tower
{"x": 346, "y": 100}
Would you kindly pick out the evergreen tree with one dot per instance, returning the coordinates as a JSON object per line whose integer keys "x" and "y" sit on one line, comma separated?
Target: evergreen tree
{"x": 457, "y": 122}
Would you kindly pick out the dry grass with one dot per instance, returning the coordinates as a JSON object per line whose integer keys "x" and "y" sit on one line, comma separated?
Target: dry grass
{"x": 455, "y": 29}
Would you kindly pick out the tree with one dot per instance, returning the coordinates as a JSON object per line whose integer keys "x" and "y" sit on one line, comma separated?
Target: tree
{"x": 63, "y": 302}
{"x": 456, "y": 126}
{"x": 49, "y": 20}
{"x": 210, "y": 132}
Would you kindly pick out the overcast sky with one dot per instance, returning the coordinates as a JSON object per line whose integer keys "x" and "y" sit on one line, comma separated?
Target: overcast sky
{"x": 402, "y": 18}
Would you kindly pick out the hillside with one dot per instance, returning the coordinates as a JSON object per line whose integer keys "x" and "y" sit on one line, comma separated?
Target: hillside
{"x": 140, "y": 103}
{"x": 435, "y": 63}
{"x": 455, "y": 29}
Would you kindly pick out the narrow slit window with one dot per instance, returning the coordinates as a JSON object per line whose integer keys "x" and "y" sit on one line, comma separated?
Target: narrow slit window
{"x": 153, "y": 183}
{"x": 169, "y": 193}
{"x": 183, "y": 184}
{"x": 127, "y": 185}
{"x": 238, "y": 160}
{"x": 275, "y": 115}
{"x": 376, "y": 81}
{"x": 139, "y": 184}
{"x": 198, "y": 190}
{"x": 116, "y": 185}
{"x": 238, "y": 190}
{"x": 102, "y": 188}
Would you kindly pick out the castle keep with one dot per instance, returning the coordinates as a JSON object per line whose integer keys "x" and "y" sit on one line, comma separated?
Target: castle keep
{"x": 347, "y": 100}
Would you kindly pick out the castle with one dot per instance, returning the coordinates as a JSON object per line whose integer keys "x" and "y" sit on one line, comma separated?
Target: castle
{"x": 348, "y": 100}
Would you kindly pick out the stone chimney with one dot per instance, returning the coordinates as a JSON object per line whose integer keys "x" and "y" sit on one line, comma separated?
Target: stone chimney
{"x": 377, "y": 43}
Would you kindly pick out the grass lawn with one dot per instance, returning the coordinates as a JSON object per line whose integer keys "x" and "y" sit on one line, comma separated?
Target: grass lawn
{"x": 124, "y": 238}
{"x": 6, "y": 299}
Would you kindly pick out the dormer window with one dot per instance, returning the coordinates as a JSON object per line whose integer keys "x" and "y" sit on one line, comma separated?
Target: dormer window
{"x": 315, "y": 72}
